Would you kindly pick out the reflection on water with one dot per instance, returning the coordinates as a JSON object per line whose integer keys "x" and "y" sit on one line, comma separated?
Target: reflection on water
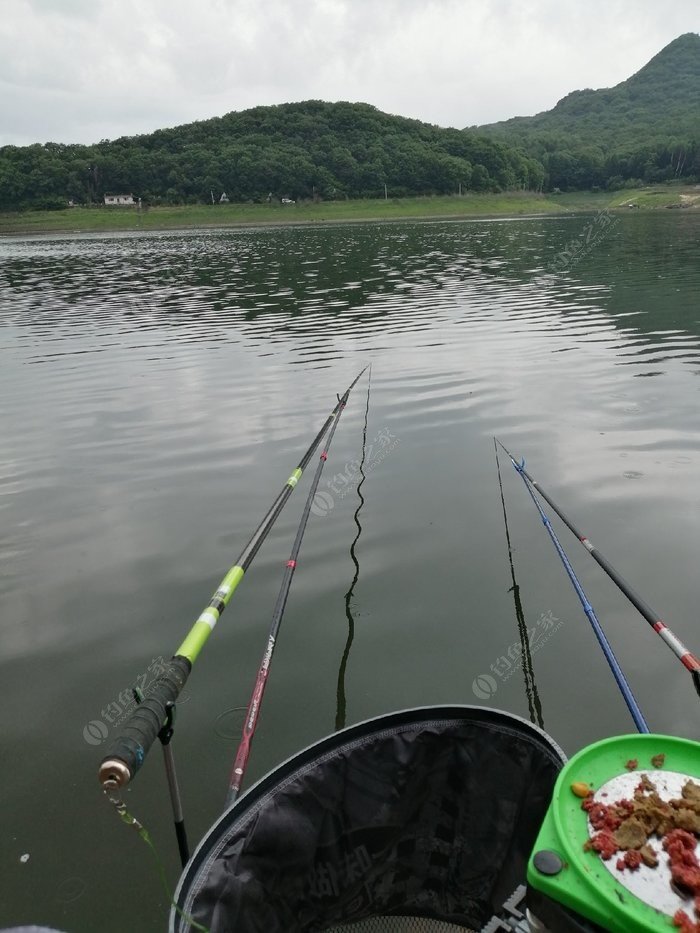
{"x": 300, "y": 283}
{"x": 533, "y": 697}
{"x": 156, "y": 389}
{"x": 341, "y": 703}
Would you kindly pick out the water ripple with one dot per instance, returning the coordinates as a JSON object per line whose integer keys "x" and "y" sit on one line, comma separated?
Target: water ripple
{"x": 157, "y": 389}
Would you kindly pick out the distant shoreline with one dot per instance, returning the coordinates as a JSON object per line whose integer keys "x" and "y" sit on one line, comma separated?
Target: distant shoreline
{"x": 464, "y": 207}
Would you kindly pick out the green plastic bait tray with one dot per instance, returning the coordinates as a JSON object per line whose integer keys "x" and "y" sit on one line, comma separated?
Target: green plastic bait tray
{"x": 620, "y": 901}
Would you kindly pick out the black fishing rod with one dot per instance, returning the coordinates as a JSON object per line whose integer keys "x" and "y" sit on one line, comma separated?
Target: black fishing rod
{"x": 253, "y": 712}
{"x": 533, "y": 697}
{"x": 128, "y": 750}
{"x": 686, "y": 657}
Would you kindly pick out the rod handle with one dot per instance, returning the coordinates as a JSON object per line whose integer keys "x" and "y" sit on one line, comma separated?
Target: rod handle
{"x": 127, "y": 751}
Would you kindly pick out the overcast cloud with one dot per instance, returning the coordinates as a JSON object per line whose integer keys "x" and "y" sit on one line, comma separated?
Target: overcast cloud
{"x": 84, "y": 70}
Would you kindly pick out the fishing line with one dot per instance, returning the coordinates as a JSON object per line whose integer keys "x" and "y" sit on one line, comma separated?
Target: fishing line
{"x": 112, "y": 793}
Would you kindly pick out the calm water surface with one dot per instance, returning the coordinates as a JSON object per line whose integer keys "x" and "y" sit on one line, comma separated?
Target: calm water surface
{"x": 156, "y": 391}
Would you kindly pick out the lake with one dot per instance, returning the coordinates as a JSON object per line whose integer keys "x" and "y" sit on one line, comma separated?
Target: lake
{"x": 157, "y": 390}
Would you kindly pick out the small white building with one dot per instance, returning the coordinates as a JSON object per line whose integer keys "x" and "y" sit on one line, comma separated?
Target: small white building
{"x": 120, "y": 200}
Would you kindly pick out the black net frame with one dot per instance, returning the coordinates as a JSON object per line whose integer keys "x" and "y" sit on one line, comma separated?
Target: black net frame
{"x": 425, "y": 813}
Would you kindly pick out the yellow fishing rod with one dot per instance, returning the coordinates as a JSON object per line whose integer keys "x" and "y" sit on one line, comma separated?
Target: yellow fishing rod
{"x": 128, "y": 750}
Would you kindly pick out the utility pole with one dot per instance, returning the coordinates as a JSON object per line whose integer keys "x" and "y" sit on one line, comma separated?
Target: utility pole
{"x": 386, "y": 195}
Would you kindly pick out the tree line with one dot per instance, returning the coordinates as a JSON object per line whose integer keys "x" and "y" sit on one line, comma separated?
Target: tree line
{"x": 318, "y": 150}
{"x": 308, "y": 150}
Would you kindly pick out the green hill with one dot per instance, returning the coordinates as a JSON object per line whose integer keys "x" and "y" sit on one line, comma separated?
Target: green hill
{"x": 304, "y": 150}
{"x": 646, "y": 128}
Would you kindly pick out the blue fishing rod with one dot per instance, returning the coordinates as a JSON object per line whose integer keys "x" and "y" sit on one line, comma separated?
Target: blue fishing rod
{"x": 620, "y": 679}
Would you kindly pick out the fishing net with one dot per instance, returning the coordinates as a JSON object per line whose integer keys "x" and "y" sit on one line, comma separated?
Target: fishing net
{"x": 424, "y": 817}
{"x": 399, "y": 925}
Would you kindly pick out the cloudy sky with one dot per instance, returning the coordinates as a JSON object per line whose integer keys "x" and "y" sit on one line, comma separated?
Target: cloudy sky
{"x": 84, "y": 70}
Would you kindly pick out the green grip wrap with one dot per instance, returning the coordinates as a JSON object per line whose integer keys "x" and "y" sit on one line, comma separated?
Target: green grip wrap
{"x": 141, "y": 729}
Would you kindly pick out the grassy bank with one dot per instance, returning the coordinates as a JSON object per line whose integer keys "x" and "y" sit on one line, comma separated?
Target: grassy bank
{"x": 80, "y": 220}
{"x": 653, "y": 197}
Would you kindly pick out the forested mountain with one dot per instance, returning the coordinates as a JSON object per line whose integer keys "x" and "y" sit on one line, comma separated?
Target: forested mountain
{"x": 304, "y": 150}
{"x": 646, "y": 128}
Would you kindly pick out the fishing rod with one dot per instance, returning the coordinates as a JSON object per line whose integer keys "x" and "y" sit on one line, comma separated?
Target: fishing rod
{"x": 127, "y": 752}
{"x": 251, "y": 719}
{"x": 686, "y": 657}
{"x": 533, "y": 697}
{"x": 618, "y": 674}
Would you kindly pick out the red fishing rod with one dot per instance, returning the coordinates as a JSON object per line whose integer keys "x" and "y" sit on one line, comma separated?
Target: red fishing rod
{"x": 253, "y": 711}
{"x": 687, "y": 658}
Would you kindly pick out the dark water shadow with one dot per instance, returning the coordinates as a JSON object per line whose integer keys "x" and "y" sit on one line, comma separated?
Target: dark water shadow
{"x": 341, "y": 704}
{"x": 533, "y": 697}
